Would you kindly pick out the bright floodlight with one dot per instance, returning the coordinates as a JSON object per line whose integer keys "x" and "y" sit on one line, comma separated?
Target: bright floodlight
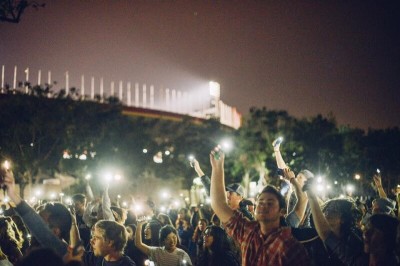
{"x": 177, "y": 203}
{"x": 214, "y": 89}
{"x": 38, "y": 192}
{"x": 6, "y": 165}
{"x": 319, "y": 179}
{"x": 144, "y": 150}
{"x": 68, "y": 201}
{"x": 226, "y": 145}
{"x": 138, "y": 207}
{"x": 350, "y": 188}
{"x": 108, "y": 177}
{"x": 164, "y": 194}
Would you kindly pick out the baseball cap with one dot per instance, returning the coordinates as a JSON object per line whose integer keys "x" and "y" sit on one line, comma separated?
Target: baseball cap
{"x": 235, "y": 187}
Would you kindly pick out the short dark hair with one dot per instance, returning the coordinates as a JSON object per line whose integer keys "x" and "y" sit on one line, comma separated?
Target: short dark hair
{"x": 79, "y": 197}
{"x": 273, "y": 190}
{"x": 115, "y": 232}
{"x": 165, "y": 231}
{"x": 59, "y": 217}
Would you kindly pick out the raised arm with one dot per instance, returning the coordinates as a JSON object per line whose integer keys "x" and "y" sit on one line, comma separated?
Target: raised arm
{"x": 36, "y": 225}
{"x": 106, "y": 206}
{"x": 218, "y": 194}
{"x": 321, "y": 224}
{"x": 278, "y": 156}
{"x": 197, "y": 168}
{"x": 301, "y": 204}
{"x": 138, "y": 239}
{"x": 378, "y": 184}
{"x": 74, "y": 236}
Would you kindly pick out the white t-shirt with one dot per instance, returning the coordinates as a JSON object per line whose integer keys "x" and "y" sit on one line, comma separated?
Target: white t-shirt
{"x": 5, "y": 263}
{"x": 161, "y": 257}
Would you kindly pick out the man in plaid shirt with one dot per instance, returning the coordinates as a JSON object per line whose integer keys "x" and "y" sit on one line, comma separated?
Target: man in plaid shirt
{"x": 264, "y": 241}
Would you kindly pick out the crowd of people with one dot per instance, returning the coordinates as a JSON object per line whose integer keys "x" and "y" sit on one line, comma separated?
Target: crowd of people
{"x": 291, "y": 228}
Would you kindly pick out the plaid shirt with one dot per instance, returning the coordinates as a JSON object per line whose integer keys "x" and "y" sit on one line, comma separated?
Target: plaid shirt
{"x": 278, "y": 248}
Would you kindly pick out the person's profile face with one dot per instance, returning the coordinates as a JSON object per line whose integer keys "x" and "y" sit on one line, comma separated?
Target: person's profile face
{"x": 147, "y": 231}
{"x": 98, "y": 243}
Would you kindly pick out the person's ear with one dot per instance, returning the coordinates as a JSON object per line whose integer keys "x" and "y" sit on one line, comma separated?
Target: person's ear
{"x": 110, "y": 243}
{"x": 56, "y": 231}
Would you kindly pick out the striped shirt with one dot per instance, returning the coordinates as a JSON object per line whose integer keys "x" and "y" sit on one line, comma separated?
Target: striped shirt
{"x": 162, "y": 257}
{"x": 277, "y": 248}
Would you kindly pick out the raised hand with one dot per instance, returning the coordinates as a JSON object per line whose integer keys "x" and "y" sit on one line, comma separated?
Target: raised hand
{"x": 277, "y": 143}
{"x": 377, "y": 180}
{"x": 217, "y": 159}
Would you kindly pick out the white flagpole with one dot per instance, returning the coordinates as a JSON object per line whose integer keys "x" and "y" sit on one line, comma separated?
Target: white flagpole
{"x": 26, "y": 79}
{"x": 66, "y": 83}
{"x": 49, "y": 78}
{"x": 101, "y": 89}
{"x": 39, "y": 77}
{"x": 15, "y": 78}
{"x": 112, "y": 88}
{"x": 92, "y": 89}
{"x": 83, "y": 87}
{"x": 2, "y": 78}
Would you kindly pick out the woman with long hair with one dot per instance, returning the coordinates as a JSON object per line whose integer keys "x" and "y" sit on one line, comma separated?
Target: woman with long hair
{"x": 217, "y": 248}
{"x": 9, "y": 242}
{"x": 168, "y": 254}
{"x": 197, "y": 238}
{"x": 151, "y": 233}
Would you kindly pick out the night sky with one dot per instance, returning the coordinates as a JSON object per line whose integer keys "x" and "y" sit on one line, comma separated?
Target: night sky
{"x": 306, "y": 57}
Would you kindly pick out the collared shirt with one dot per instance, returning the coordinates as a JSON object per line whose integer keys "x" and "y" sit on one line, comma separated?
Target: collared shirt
{"x": 277, "y": 248}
